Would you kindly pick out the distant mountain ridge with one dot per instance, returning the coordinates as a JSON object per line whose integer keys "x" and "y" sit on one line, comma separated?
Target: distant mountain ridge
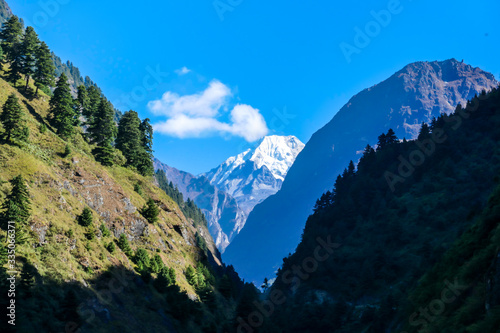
{"x": 228, "y": 193}
{"x": 415, "y": 94}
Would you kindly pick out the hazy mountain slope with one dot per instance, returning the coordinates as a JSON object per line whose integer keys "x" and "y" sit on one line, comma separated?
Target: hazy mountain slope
{"x": 223, "y": 214}
{"x": 413, "y": 95}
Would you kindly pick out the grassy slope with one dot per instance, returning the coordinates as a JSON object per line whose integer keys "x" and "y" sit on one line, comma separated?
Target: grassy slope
{"x": 61, "y": 187}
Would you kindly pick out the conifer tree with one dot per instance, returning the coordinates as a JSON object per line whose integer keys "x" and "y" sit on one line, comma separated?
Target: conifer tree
{"x": 29, "y": 47}
{"x": 86, "y": 218}
{"x": 191, "y": 275}
{"x": 145, "y": 158}
{"x": 129, "y": 137}
{"x": 103, "y": 128}
{"x": 13, "y": 121}
{"x": 124, "y": 246}
{"x": 82, "y": 99}
{"x": 102, "y": 132}
{"x": 424, "y": 132}
{"x": 150, "y": 211}
{"x": 94, "y": 100}
{"x": 45, "y": 74}
{"x": 61, "y": 108}
{"x": 11, "y": 35}
{"x": 163, "y": 281}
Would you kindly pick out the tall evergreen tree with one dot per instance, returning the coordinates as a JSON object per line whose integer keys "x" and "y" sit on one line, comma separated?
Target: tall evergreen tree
{"x": 145, "y": 158}
{"x": 61, "y": 108}
{"x": 44, "y": 75}
{"x": 13, "y": 121}
{"x": 11, "y": 36}
{"x": 29, "y": 48}
{"x": 424, "y": 132}
{"x": 103, "y": 128}
{"x": 82, "y": 99}
{"x": 102, "y": 132}
{"x": 129, "y": 138}
{"x": 16, "y": 207}
{"x": 94, "y": 100}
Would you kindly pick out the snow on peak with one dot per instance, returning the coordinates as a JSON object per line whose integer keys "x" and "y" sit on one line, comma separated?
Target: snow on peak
{"x": 277, "y": 153}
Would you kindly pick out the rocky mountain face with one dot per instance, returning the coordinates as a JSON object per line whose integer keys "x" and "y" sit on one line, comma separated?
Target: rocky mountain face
{"x": 413, "y": 95}
{"x": 5, "y": 11}
{"x": 228, "y": 193}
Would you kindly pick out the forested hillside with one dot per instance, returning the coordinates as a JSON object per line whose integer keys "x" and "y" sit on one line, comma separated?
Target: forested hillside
{"x": 89, "y": 238}
{"x": 389, "y": 220}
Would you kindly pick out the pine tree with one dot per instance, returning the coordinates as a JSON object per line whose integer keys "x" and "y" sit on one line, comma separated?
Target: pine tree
{"x": 19, "y": 195}
{"x": 129, "y": 137}
{"x": 44, "y": 75}
{"x": 104, "y": 153}
{"x": 86, "y": 218}
{"x": 173, "y": 277}
{"x": 94, "y": 100}
{"x": 61, "y": 110}
{"x": 145, "y": 158}
{"x": 163, "y": 281}
{"x": 391, "y": 137}
{"x": 424, "y": 133}
{"x": 150, "y": 211}
{"x": 29, "y": 47}
{"x": 12, "y": 120}
{"x": 124, "y": 246}
{"x": 11, "y": 35}
{"x": 103, "y": 129}
{"x": 82, "y": 99}
{"x": 191, "y": 275}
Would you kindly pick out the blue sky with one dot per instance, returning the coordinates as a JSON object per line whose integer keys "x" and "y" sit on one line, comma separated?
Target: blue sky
{"x": 250, "y": 66}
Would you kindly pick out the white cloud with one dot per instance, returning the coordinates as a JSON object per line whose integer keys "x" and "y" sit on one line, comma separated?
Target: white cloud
{"x": 182, "y": 71}
{"x": 197, "y": 115}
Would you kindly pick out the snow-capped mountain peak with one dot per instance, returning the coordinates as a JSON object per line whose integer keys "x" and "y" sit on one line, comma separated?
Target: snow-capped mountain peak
{"x": 275, "y": 152}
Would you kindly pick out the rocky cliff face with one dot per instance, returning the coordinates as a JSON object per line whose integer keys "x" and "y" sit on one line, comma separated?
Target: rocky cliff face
{"x": 411, "y": 96}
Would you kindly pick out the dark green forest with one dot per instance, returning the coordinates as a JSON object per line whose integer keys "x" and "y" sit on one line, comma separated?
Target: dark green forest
{"x": 410, "y": 216}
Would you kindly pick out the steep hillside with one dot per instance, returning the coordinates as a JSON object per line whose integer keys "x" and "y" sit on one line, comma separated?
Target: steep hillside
{"x": 386, "y": 224}
{"x": 86, "y": 276}
{"x": 416, "y": 94}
